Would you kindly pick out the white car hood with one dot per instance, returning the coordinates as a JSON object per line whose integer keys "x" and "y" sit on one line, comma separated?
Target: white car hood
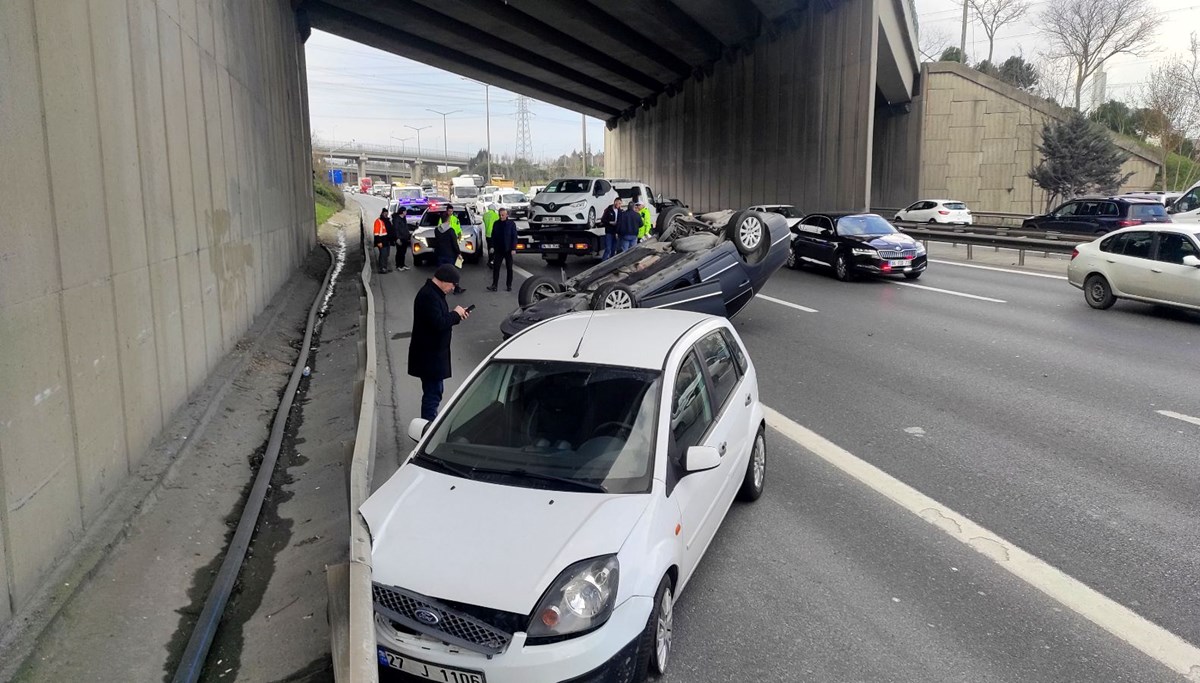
{"x": 486, "y": 544}
{"x": 561, "y": 199}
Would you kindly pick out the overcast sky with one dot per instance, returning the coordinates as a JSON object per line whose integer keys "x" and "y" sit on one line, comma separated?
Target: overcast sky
{"x": 1125, "y": 72}
{"x": 358, "y": 92}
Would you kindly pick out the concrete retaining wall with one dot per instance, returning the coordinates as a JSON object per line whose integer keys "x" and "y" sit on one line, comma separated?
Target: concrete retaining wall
{"x": 979, "y": 143}
{"x": 791, "y": 122}
{"x": 156, "y": 191}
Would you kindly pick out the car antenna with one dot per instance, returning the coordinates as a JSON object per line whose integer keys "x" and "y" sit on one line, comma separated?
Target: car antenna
{"x": 584, "y": 334}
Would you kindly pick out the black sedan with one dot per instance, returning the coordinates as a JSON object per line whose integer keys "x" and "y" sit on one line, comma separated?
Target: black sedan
{"x": 855, "y": 243}
{"x": 715, "y": 267}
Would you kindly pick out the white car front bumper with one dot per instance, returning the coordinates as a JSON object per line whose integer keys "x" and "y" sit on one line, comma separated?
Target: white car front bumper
{"x": 594, "y": 652}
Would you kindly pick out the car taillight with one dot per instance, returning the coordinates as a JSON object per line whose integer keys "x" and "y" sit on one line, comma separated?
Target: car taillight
{"x": 1128, "y": 222}
{"x": 1074, "y": 253}
{"x": 944, "y": 213}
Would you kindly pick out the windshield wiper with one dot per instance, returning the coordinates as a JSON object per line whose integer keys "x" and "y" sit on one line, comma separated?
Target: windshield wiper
{"x": 448, "y": 467}
{"x": 578, "y": 483}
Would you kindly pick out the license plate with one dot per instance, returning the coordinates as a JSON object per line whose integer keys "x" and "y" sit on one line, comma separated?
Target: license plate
{"x": 551, "y": 219}
{"x": 900, "y": 262}
{"x": 550, "y": 246}
{"x": 427, "y": 671}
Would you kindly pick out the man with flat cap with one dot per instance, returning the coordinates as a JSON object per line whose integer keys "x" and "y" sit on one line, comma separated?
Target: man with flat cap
{"x": 429, "y": 348}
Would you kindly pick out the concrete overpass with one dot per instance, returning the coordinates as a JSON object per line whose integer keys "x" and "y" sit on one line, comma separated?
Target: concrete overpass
{"x": 380, "y": 156}
{"x": 724, "y": 102}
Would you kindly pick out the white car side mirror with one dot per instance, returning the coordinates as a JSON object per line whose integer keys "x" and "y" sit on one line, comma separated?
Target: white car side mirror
{"x": 1192, "y": 261}
{"x": 416, "y": 428}
{"x": 701, "y": 458}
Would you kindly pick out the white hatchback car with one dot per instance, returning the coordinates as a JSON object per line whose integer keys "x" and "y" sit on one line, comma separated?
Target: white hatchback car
{"x": 571, "y": 201}
{"x": 551, "y": 515}
{"x": 936, "y": 211}
{"x": 1157, "y": 266}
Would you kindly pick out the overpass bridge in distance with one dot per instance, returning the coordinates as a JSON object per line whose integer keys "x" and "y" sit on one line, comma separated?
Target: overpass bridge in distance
{"x": 384, "y": 162}
{"x": 725, "y": 103}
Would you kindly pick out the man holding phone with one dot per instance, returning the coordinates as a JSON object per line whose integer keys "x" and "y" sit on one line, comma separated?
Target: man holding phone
{"x": 429, "y": 347}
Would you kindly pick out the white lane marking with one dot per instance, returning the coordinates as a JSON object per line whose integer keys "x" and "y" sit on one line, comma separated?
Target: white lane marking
{"x": 1179, "y": 416}
{"x": 524, "y": 273}
{"x": 1152, "y": 639}
{"x": 789, "y": 304}
{"x": 951, "y": 292}
{"x": 998, "y": 270}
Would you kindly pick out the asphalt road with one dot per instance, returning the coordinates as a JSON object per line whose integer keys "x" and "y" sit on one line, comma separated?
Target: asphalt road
{"x": 1000, "y": 395}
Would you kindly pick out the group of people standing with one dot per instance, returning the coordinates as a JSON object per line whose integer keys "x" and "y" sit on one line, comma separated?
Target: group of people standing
{"x": 393, "y": 231}
{"x": 623, "y": 228}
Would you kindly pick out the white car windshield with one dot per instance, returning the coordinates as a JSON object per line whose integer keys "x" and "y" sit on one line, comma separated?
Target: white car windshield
{"x": 431, "y": 218}
{"x": 867, "y": 224}
{"x": 460, "y": 191}
{"x": 407, "y": 193}
{"x": 514, "y": 198}
{"x": 551, "y": 425}
{"x": 569, "y": 186}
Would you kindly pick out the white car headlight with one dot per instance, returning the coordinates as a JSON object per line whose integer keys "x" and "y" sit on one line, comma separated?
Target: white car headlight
{"x": 580, "y": 599}
{"x": 864, "y": 252}
{"x": 577, "y": 205}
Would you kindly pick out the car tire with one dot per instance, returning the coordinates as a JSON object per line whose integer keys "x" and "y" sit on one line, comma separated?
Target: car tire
{"x": 756, "y": 470}
{"x": 536, "y": 288}
{"x": 653, "y": 656}
{"x": 591, "y": 219}
{"x": 749, "y": 232}
{"x": 667, "y": 227}
{"x": 1098, "y": 293}
{"x": 913, "y": 276}
{"x": 793, "y": 262}
{"x": 933, "y": 221}
{"x": 614, "y": 296}
{"x": 841, "y": 267}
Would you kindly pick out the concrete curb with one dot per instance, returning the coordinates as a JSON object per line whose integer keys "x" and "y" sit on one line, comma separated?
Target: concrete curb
{"x": 352, "y": 626}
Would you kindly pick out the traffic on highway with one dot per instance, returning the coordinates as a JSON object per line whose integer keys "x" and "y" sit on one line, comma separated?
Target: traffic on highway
{"x": 973, "y": 477}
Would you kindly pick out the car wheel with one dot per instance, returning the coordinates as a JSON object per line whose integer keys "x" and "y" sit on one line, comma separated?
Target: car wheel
{"x": 792, "y": 261}
{"x": 933, "y": 221}
{"x": 536, "y": 288}
{"x": 613, "y": 296}
{"x": 841, "y": 267}
{"x": 591, "y": 221}
{"x": 756, "y": 470}
{"x": 748, "y": 232}
{"x": 913, "y": 276}
{"x": 1098, "y": 293}
{"x": 669, "y": 227}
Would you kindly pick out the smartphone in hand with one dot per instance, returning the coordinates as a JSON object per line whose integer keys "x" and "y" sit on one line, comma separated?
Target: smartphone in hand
{"x": 470, "y": 308}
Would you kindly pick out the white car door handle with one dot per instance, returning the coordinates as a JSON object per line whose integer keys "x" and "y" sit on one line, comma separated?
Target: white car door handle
{"x": 749, "y": 398}
{"x": 721, "y": 450}
{"x": 1110, "y": 260}
{"x": 1156, "y": 270}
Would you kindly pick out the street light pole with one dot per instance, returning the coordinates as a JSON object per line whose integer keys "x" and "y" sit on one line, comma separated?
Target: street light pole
{"x": 487, "y": 113}
{"x": 402, "y": 141}
{"x": 418, "y": 141}
{"x": 445, "y": 140}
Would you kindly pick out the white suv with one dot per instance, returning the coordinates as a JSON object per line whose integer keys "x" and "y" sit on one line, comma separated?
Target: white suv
{"x": 1186, "y": 209}
{"x": 571, "y": 201}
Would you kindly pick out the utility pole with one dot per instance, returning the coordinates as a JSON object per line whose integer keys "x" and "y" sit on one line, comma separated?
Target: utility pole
{"x": 487, "y": 113}
{"x": 962, "y": 45}
{"x": 524, "y": 138}
{"x": 418, "y": 145}
{"x": 583, "y": 121}
{"x": 445, "y": 140}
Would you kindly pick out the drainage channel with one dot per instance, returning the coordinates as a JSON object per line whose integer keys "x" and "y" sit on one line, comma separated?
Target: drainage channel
{"x": 191, "y": 665}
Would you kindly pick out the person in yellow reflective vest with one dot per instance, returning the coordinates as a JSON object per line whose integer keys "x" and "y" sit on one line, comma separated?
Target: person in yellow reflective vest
{"x": 644, "y": 212}
{"x": 489, "y": 219}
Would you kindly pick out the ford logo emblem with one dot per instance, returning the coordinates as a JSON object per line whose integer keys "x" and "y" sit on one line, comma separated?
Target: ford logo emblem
{"x": 427, "y": 617}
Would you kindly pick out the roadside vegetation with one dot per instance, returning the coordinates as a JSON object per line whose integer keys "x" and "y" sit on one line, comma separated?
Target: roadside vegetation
{"x": 329, "y": 199}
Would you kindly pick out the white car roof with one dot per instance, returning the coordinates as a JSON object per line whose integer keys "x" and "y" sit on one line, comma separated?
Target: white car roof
{"x": 1181, "y": 228}
{"x": 633, "y": 338}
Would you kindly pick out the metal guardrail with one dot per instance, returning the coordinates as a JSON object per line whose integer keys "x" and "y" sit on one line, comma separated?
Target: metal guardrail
{"x": 1021, "y": 243}
{"x": 997, "y": 218}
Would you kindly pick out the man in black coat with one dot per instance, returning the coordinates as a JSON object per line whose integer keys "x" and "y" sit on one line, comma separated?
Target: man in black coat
{"x": 629, "y": 222}
{"x": 445, "y": 241}
{"x": 429, "y": 348}
{"x": 504, "y": 248}
{"x": 609, "y": 221}
{"x": 402, "y": 237}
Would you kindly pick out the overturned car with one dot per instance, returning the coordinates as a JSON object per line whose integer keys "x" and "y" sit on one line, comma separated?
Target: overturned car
{"x": 713, "y": 263}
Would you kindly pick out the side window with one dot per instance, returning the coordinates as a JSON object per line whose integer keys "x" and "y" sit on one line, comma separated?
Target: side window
{"x": 928, "y": 205}
{"x": 738, "y": 356}
{"x": 1188, "y": 202}
{"x": 721, "y": 367}
{"x": 602, "y": 188}
{"x": 1067, "y": 209}
{"x": 1172, "y": 247}
{"x": 1109, "y": 209}
{"x": 1138, "y": 244}
{"x": 813, "y": 224}
{"x": 1088, "y": 209}
{"x": 691, "y": 409}
{"x": 649, "y": 194}
{"x": 1112, "y": 244}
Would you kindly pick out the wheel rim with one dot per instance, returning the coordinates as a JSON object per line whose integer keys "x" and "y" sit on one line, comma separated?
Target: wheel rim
{"x": 673, "y": 228}
{"x": 751, "y": 232}
{"x": 1097, "y": 291}
{"x": 618, "y": 298}
{"x": 542, "y": 291}
{"x": 841, "y": 266}
{"x": 662, "y": 634}
{"x": 759, "y": 462}
{"x": 791, "y": 260}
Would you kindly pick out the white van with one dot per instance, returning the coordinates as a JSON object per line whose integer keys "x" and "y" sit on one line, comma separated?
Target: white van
{"x": 1186, "y": 209}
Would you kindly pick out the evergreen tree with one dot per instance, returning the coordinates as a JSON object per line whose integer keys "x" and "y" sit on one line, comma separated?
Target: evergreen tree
{"x": 1078, "y": 157}
{"x": 952, "y": 54}
{"x": 1018, "y": 72}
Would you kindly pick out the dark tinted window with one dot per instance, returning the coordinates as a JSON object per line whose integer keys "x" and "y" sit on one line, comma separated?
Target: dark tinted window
{"x": 1188, "y": 202}
{"x": 738, "y": 356}
{"x": 1147, "y": 211}
{"x": 1067, "y": 209}
{"x": 1136, "y": 244}
{"x": 721, "y": 367}
{"x": 1111, "y": 243}
{"x": 864, "y": 224}
{"x": 1109, "y": 209}
{"x": 569, "y": 186}
{"x": 691, "y": 410}
{"x": 602, "y": 186}
{"x": 1172, "y": 247}
{"x": 956, "y": 206}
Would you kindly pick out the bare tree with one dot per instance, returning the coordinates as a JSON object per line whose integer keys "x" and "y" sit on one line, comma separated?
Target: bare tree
{"x": 996, "y": 14}
{"x": 1056, "y": 79}
{"x": 1091, "y": 32}
{"x": 933, "y": 42}
{"x": 1171, "y": 110}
